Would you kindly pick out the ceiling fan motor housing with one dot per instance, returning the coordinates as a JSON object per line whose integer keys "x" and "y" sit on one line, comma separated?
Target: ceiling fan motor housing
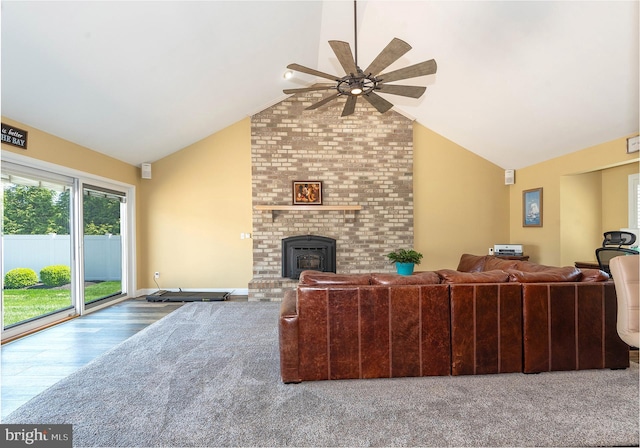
{"x": 357, "y": 84}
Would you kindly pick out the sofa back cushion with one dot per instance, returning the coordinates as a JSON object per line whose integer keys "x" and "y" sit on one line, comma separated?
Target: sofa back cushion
{"x": 471, "y": 263}
{"x": 317, "y": 278}
{"x": 451, "y": 276}
{"x": 564, "y": 274}
{"x": 529, "y": 266}
{"x": 418, "y": 278}
{"x": 492, "y": 263}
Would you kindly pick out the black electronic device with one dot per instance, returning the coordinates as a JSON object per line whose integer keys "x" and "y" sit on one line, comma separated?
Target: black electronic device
{"x": 187, "y": 296}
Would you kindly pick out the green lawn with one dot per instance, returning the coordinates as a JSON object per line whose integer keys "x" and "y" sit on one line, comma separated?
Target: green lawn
{"x": 24, "y": 304}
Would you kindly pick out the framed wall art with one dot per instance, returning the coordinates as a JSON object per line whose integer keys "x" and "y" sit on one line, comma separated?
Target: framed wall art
{"x": 532, "y": 208}
{"x": 307, "y": 192}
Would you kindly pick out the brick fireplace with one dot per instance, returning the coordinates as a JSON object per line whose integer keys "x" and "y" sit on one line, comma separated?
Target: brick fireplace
{"x": 363, "y": 160}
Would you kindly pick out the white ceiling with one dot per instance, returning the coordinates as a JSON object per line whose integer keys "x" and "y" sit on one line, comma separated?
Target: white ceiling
{"x": 517, "y": 83}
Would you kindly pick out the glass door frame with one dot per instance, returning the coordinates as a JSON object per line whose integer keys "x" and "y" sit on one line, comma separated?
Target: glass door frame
{"x": 124, "y": 222}
{"x": 128, "y": 232}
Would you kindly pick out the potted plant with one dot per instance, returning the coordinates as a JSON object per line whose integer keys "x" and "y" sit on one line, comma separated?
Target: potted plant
{"x": 405, "y": 260}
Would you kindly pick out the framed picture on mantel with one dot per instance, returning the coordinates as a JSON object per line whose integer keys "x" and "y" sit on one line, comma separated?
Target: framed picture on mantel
{"x": 307, "y": 192}
{"x": 532, "y": 208}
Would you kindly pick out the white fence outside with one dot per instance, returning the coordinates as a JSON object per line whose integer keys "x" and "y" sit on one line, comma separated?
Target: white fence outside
{"x": 102, "y": 259}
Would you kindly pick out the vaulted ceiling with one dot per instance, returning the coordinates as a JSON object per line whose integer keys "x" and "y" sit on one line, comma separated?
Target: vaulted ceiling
{"x": 517, "y": 83}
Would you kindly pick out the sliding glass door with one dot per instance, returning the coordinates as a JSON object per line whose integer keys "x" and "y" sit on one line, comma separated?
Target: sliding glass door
{"x": 37, "y": 247}
{"x": 103, "y": 210}
{"x": 65, "y": 246}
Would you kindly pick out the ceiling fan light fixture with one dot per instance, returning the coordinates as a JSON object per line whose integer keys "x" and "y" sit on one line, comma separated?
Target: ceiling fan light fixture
{"x": 288, "y": 74}
{"x": 358, "y": 83}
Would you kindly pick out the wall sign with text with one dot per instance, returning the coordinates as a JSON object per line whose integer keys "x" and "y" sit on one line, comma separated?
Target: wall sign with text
{"x": 633, "y": 144}
{"x": 14, "y": 136}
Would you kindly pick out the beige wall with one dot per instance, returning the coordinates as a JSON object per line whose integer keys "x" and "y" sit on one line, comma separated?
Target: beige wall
{"x": 52, "y": 149}
{"x": 580, "y": 215}
{"x": 461, "y": 203}
{"x": 615, "y": 203}
{"x": 55, "y": 150}
{"x": 193, "y": 211}
{"x": 584, "y": 193}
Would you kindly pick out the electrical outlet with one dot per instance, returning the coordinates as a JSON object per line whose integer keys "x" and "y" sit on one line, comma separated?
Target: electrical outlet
{"x": 156, "y": 275}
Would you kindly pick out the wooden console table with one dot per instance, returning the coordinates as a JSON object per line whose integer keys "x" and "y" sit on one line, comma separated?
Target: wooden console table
{"x": 587, "y": 265}
{"x": 514, "y": 257}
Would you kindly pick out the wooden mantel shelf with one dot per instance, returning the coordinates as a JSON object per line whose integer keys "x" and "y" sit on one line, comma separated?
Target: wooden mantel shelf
{"x": 351, "y": 209}
{"x": 309, "y": 207}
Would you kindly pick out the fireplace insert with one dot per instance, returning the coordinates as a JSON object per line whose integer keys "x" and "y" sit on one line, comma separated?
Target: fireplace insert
{"x": 307, "y": 252}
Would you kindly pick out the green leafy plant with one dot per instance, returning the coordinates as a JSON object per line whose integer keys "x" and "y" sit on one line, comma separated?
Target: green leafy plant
{"x": 405, "y": 256}
{"x": 19, "y": 278}
{"x": 55, "y": 275}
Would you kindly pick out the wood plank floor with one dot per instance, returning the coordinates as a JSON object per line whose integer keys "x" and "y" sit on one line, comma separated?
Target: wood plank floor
{"x": 31, "y": 364}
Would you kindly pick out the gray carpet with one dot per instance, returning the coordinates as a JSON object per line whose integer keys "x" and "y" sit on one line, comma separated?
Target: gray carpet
{"x": 208, "y": 375}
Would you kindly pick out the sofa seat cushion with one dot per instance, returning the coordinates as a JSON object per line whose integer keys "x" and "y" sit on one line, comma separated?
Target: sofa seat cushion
{"x": 564, "y": 274}
{"x": 318, "y": 278}
{"x": 451, "y": 276}
{"x": 418, "y": 278}
{"x": 594, "y": 275}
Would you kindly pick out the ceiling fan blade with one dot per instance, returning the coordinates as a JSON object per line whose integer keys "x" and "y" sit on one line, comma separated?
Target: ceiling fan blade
{"x": 310, "y": 89}
{"x": 311, "y": 71}
{"x": 344, "y": 55}
{"x": 378, "y": 102}
{"x": 410, "y": 91}
{"x": 322, "y": 102}
{"x": 423, "y": 68}
{"x": 390, "y": 54}
{"x": 350, "y": 105}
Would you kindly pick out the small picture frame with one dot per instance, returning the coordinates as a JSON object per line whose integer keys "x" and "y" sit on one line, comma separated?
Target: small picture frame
{"x": 307, "y": 192}
{"x": 532, "y": 208}
{"x": 633, "y": 144}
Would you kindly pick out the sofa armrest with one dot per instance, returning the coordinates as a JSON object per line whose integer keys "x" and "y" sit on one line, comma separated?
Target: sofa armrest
{"x": 288, "y": 333}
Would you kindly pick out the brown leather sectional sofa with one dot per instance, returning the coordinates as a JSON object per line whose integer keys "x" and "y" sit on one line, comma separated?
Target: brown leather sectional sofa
{"x": 488, "y": 316}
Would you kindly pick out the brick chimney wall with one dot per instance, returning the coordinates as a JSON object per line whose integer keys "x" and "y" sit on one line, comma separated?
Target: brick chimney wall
{"x": 364, "y": 159}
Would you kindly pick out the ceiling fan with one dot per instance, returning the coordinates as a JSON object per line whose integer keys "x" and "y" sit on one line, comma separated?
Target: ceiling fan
{"x": 367, "y": 82}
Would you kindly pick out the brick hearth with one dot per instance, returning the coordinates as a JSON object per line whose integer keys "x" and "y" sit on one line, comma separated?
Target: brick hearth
{"x": 365, "y": 159}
